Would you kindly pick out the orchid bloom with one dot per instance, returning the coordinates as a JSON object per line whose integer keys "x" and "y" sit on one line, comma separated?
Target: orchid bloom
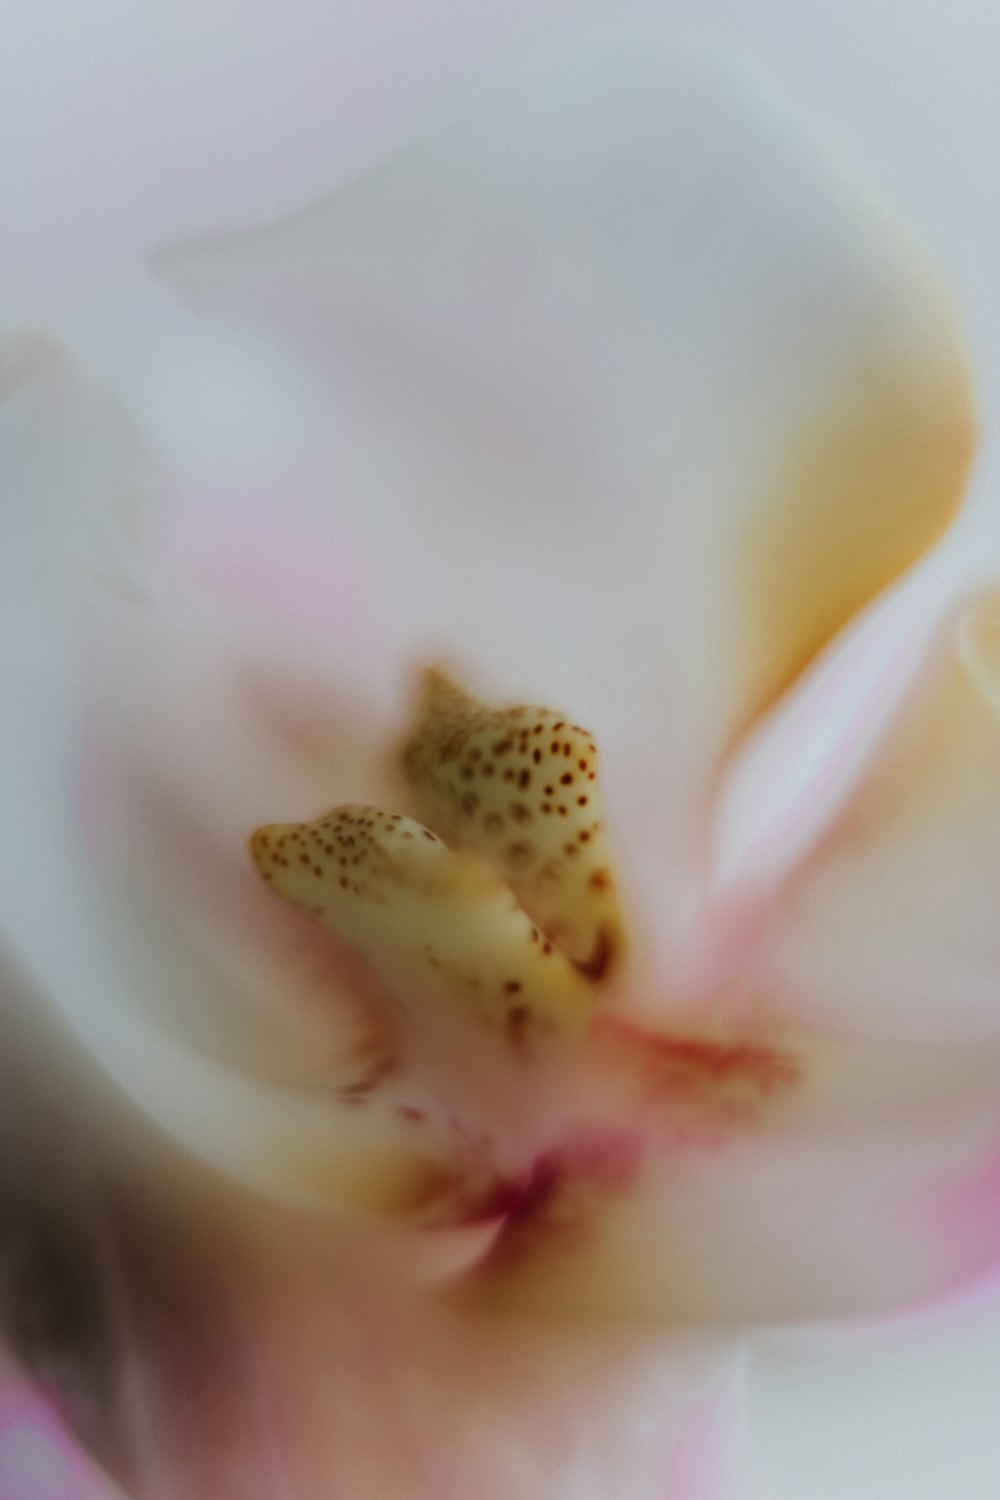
{"x": 538, "y": 1068}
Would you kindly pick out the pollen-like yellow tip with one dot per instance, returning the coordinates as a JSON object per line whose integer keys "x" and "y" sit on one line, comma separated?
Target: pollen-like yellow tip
{"x": 501, "y": 902}
{"x": 436, "y": 925}
{"x": 520, "y": 788}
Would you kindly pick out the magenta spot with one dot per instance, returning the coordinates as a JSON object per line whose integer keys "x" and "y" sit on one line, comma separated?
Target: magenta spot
{"x": 497, "y": 1201}
{"x": 606, "y": 1161}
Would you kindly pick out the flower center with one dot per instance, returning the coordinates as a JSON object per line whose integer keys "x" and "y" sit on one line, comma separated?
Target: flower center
{"x": 501, "y": 901}
{"x": 492, "y": 925}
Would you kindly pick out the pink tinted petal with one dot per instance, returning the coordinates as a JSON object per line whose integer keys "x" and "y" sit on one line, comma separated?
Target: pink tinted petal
{"x": 256, "y": 553}
{"x": 703, "y": 1463}
{"x": 968, "y": 1212}
{"x": 792, "y": 774}
{"x": 318, "y": 1381}
{"x": 39, "y": 1460}
{"x": 889, "y": 929}
{"x": 822, "y": 1193}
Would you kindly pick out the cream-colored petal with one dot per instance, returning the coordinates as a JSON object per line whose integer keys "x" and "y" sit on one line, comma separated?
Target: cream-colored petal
{"x": 78, "y": 486}
{"x": 889, "y": 929}
{"x": 856, "y": 1182}
{"x": 124, "y": 893}
{"x": 196, "y": 727}
{"x": 640, "y": 385}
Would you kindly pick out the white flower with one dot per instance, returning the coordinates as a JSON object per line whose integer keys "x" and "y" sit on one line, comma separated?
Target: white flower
{"x": 632, "y": 396}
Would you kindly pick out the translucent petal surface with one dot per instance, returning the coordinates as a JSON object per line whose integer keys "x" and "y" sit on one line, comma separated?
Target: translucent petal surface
{"x": 636, "y": 394}
{"x": 376, "y": 1394}
{"x": 890, "y": 929}
{"x": 896, "y": 1408}
{"x": 38, "y": 1457}
{"x": 639, "y": 384}
{"x": 151, "y": 959}
{"x": 866, "y": 1183}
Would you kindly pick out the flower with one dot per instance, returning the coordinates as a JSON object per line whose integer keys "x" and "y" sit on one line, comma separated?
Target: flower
{"x": 632, "y": 397}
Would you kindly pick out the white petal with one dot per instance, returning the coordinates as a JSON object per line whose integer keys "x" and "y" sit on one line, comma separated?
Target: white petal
{"x": 890, "y": 927}
{"x": 898, "y": 1410}
{"x": 639, "y": 385}
{"x": 169, "y": 975}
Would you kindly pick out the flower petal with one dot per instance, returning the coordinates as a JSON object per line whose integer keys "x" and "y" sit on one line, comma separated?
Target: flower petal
{"x": 639, "y": 384}
{"x": 889, "y": 929}
{"x": 317, "y": 1378}
{"x": 868, "y": 1185}
{"x": 38, "y": 1458}
{"x": 886, "y": 1411}
{"x": 156, "y": 978}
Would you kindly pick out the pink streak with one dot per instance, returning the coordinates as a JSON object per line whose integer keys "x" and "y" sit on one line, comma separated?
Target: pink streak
{"x": 969, "y": 1217}
{"x": 697, "y": 1462}
{"x": 39, "y": 1460}
{"x": 799, "y": 768}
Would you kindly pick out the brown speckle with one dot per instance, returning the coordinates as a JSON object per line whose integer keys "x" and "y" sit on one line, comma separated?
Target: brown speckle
{"x": 412, "y": 1114}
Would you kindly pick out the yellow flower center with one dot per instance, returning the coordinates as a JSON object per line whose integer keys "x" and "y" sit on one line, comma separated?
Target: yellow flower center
{"x": 491, "y": 924}
{"x": 501, "y": 901}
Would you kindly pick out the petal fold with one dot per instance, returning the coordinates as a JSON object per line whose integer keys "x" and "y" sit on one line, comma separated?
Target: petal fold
{"x": 889, "y": 928}
{"x": 641, "y": 390}
{"x": 129, "y": 914}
